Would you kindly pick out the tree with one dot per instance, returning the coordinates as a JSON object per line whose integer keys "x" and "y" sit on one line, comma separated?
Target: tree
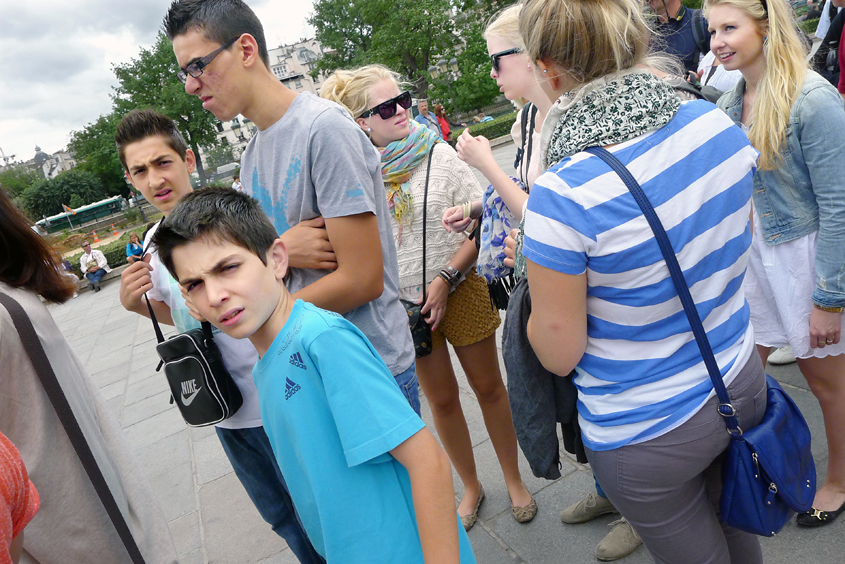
{"x": 46, "y": 197}
{"x": 409, "y": 36}
{"x": 219, "y": 154}
{"x": 473, "y": 88}
{"x": 95, "y": 152}
{"x": 404, "y": 35}
{"x": 149, "y": 81}
{"x": 17, "y": 178}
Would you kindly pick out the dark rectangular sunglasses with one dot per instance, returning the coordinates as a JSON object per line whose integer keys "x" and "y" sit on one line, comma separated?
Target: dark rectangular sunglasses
{"x": 387, "y": 109}
{"x": 494, "y": 58}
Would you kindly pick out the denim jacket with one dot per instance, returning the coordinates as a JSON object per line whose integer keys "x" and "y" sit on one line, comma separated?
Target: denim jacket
{"x": 807, "y": 192}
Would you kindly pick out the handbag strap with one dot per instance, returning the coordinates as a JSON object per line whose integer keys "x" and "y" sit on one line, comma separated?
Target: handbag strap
{"x": 159, "y": 335}
{"x": 425, "y": 212}
{"x": 206, "y": 326}
{"x": 726, "y": 410}
{"x": 35, "y": 351}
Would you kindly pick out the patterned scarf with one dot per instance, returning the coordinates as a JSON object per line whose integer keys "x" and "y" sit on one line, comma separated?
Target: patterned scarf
{"x": 497, "y": 220}
{"x": 398, "y": 160}
{"x": 607, "y": 111}
{"x": 610, "y": 110}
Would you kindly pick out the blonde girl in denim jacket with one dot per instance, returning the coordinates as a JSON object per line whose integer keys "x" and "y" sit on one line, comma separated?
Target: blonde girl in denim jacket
{"x": 795, "y": 284}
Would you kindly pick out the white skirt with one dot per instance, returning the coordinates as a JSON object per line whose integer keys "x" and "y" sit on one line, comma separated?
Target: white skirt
{"x": 779, "y": 286}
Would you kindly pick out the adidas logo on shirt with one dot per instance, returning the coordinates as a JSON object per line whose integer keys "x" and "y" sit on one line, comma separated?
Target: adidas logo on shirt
{"x": 291, "y": 387}
{"x": 296, "y": 360}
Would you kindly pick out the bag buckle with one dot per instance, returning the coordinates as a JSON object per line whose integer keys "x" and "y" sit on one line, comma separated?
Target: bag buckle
{"x": 726, "y": 410}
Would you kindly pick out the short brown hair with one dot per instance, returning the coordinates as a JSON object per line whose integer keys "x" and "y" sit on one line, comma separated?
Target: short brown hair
{"x": 217, "y": 20}
{"x": 137, "y": 125}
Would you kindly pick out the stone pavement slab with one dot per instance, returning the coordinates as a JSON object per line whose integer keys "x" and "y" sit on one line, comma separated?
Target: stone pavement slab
{"x": 212, "y": 519}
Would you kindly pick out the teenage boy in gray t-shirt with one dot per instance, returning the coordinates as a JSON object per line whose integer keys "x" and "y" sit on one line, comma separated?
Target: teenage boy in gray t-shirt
{"x": 308, "y": 160}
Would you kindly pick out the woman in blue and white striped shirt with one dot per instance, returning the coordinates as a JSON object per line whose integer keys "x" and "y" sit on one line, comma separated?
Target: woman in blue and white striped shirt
{"x": 604, "y": 302}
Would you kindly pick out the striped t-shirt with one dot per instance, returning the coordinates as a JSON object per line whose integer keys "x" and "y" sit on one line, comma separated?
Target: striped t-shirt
{"x": 642, "y": 374}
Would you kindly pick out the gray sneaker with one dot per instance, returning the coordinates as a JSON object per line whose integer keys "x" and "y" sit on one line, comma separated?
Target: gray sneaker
{"x": 587, "y": 509}
{"x": 621, "y": 541}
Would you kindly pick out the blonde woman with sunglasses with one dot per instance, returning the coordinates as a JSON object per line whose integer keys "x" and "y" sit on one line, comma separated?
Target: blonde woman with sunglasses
{"x": 456, "y": 303}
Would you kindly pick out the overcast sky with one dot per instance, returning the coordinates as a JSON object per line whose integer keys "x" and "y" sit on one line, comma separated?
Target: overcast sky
{"x": 55, "y": 68}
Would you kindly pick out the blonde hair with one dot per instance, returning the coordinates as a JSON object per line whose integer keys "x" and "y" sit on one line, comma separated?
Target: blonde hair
{"x": 588, "y": 39}
{"x": 783, "y": 76}
{"x": 505, "y": 25}
{"x": 351, "y": 88}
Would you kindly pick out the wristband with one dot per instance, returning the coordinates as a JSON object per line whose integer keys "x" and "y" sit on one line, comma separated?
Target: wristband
{"x": 829, "y": 309}
{"x": 451, "y": 275}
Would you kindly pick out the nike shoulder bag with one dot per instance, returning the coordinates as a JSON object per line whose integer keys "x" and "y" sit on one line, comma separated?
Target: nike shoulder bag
{"x": 200, "y": 384}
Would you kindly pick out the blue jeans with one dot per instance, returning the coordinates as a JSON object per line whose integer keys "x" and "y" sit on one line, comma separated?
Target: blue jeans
{"x": 255, "y": 465}
{"x": 95, "y": 276}
{"x": 598, "y": 487}
{"x": 407, "y": 381}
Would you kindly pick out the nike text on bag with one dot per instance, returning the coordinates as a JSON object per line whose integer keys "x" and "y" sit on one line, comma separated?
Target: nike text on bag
{"x": 203, "y": 389}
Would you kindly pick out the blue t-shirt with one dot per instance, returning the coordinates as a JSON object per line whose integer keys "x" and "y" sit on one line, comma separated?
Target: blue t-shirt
{"x": 642, "y": 374}
{"x": 333, "y": 412}
{"x": 133, "y": 250}
{"x": 430, "y": 121}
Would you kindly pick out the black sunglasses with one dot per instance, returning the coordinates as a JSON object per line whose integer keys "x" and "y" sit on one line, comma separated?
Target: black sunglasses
{"x": 387, "y": 109}
{"x": 195, "y": 68}
{"x": 494, "y": 58}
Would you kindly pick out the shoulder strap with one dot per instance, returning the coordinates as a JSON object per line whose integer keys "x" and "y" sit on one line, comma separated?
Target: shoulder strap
{"x": 159, "y": 334}
{"x": 700, "y": 33}
{"x": 206, "y": 326}
{"x": 526, "y": 156}
{"x": 726, "y": 410}
{"x": 41, "y": 363}
{"x": 425, "y": 211}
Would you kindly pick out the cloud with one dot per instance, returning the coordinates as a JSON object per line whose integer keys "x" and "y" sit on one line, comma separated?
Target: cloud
{"x": 56, "y": 70}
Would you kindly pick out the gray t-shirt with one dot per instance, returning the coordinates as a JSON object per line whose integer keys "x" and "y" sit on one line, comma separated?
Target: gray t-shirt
{"x": 317, "y": 161}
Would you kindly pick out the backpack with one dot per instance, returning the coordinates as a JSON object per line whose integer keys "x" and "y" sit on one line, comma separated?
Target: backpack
{"x": 700, "y": 33}
{"x": 826, "y": 58}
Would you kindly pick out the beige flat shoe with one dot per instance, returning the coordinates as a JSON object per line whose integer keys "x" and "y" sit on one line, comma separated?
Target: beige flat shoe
{"x": 468, "y": 521}
{"x": 526, "y": 513}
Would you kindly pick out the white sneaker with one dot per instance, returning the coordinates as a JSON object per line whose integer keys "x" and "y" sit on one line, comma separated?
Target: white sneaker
{"x": 783, "y": 355}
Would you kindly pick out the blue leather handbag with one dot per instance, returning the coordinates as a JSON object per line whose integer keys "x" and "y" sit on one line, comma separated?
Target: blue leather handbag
{"x": 768, "y": 472}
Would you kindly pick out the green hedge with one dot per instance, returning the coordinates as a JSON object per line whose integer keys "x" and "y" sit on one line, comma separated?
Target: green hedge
{"x": 499, "y": 127}
{"x": 115, "y": 253}
{"x": 809, "y": 26}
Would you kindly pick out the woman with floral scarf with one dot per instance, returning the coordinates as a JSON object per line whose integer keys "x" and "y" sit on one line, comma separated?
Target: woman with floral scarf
{"x": 603, "y": 300}
{"x": 456, "y": 302}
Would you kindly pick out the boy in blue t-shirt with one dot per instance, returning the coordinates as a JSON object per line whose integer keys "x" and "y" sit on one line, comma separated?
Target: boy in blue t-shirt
{"x": 368, "y": 480}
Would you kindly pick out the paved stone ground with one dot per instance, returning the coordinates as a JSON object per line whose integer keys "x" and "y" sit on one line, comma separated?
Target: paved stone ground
{"x": 213, "y": 521}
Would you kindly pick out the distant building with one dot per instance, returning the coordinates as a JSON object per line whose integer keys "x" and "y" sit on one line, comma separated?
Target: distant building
{"x": 50, "y": 166}
{"x": 292, "y": 64}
